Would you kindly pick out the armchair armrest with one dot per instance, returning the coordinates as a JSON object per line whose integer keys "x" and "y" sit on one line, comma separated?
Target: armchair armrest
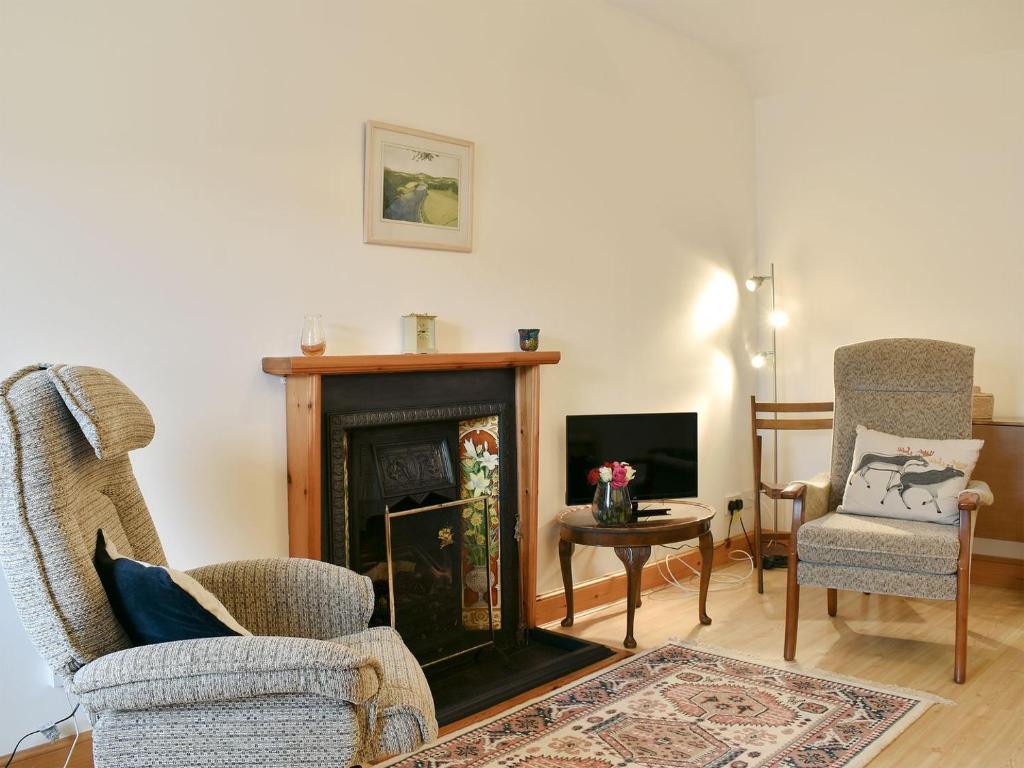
{"x": 790, "y": 491}
{"x": 976, "y": 495}
{"x": 810, "y": 500}
{"x": 189, "y": 672}
{"x": 813, "y": 493}
{"x": 293, "y": 597}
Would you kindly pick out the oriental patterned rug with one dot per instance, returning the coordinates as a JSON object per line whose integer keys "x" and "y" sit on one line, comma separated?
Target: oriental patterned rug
{"x": 688, "y": 706}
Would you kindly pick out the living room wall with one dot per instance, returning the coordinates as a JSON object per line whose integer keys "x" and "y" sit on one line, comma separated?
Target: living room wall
{"x": 181, "y": 182}
{"x": 891, "y": 206}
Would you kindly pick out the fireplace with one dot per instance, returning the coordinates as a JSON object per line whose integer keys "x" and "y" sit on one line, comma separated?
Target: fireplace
{"x": 420, "y": 472}
{"x": 453, "y": 563}
{"x": 399, "y": 442}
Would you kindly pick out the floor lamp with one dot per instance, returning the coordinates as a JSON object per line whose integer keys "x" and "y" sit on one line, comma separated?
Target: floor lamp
{"x": 776, "y": 319}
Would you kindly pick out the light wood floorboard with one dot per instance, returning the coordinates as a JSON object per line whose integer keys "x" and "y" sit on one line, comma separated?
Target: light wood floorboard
{"x": 888, "y": 640}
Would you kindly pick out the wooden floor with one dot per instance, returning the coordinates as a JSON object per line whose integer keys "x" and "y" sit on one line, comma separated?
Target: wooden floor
{"x": 889, "y": 640}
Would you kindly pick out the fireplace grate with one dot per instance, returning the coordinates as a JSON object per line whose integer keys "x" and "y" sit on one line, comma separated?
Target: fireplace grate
{"x": 428, "y": 579}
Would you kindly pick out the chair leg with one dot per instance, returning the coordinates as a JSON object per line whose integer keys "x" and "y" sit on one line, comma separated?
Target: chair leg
{"x": 960, "y": 665}
{"x": 792, "y": 583}
{"x": 792, "y": 612}
{"x": 833, "y": 599}
{"x": 963, "y": 592}
{"x": 960, "y": 660}
{"x": 758, "y": 550}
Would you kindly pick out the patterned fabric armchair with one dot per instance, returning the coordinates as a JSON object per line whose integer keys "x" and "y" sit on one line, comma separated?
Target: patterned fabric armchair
{"x": 906, "y": 387}
{"x": 312, "y": 687}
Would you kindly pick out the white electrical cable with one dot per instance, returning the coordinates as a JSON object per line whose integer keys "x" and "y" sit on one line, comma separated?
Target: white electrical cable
{"x": 727, "y": 580}
{"x": 78, "y": 732}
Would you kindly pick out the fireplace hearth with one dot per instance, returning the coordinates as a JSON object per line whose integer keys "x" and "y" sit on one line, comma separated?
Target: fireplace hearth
{"x": 425, "y": 470}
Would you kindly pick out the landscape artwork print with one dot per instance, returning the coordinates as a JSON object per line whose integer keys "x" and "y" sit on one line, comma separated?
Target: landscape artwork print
{"x": 420, "y": 186}
{"x": 418, "y": 189}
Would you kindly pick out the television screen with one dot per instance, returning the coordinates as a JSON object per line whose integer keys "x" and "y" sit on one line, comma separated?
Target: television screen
{"x": 662, "y": 447}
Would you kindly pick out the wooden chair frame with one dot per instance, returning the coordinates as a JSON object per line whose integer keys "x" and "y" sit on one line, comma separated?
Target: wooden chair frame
{"x": 968, "y": 504}
{"x": 773, "y": 490}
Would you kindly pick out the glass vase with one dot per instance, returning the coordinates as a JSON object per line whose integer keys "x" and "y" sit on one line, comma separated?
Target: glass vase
{"x": 612, "y": 506}
{"x": 312, "y": 341}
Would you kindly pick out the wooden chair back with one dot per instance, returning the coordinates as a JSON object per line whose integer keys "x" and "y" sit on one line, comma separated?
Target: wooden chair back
{"x": 776, "y": 423}
{"x": 770, "y": 420}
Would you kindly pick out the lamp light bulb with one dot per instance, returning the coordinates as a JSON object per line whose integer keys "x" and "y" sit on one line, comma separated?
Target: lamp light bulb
{"x": 778, "y": 318}
{"x": 759, "y": 360}
{"x": 752, "y": 284}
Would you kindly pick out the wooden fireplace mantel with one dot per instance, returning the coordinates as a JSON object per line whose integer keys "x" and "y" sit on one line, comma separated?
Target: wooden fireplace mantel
{"x": 304, "y": 375}
{"x": 340, "y": 365}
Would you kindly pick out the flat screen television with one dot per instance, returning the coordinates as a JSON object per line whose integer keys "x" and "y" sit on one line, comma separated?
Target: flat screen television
{"x": 662, "y": 447}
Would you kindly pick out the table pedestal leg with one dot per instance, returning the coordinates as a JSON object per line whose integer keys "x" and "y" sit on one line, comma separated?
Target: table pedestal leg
{"x": 707, "y": 554}
{"x": 565, "y": 549}
{"x": 633, "y": 558}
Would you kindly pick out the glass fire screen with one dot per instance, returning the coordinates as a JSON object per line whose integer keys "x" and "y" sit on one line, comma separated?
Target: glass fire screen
{"x": 438, "y": 562}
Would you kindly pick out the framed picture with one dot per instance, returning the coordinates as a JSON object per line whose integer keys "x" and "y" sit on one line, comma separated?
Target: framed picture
{"x": 419, "y": 189}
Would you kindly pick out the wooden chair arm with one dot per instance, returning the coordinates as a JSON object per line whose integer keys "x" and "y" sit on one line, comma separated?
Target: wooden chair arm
{"x": 775, "y": 491}
{"x": 794, "y": 490}
{"x": 968, "y": 502}
{"x": 976, "y": 495}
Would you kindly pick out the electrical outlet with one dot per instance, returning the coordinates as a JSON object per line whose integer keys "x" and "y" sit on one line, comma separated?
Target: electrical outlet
{"x": 741, "y": 502}
{"x": 50, "y": 732}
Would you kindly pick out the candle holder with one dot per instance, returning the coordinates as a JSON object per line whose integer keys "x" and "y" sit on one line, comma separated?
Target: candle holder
{"x": 529, "y": 339}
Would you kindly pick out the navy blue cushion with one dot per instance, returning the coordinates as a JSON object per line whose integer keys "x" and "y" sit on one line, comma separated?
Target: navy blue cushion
{"x": 155, "y": 605}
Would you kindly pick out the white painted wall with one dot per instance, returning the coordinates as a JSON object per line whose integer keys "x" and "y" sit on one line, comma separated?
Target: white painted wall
{"x": 892, "y": 206}
{"x": 180, "y": 182}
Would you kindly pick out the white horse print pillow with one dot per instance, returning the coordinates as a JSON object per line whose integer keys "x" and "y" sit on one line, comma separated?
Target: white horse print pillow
{"x": 908, "y": 477}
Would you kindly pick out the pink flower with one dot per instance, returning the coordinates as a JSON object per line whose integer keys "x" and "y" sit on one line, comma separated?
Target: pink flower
{"x": 619, "y": 476}
{"x": 618, "y": 473}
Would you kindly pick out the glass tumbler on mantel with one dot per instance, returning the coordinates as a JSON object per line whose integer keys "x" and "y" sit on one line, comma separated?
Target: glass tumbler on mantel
{"x": 612, "y": 506}
{"x": 313, "y": 342}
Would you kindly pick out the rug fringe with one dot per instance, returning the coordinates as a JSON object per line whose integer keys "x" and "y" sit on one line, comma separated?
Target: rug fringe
{"x": 793, "y": 666}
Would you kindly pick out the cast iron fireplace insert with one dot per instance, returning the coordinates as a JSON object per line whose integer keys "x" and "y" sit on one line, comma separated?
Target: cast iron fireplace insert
{"x": 400, "y": 442}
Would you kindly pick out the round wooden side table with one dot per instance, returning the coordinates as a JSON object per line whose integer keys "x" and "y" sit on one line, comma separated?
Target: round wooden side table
{"x": 632, "y": 543}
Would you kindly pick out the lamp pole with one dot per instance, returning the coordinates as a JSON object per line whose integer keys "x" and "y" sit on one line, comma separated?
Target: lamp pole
{"x": 775, "y": 399}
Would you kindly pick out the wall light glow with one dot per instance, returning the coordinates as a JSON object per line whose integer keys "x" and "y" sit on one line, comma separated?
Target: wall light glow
{"x": 723, "y": 373}
{"x": 778, "y": 318}
{"x": 716, "y": 306}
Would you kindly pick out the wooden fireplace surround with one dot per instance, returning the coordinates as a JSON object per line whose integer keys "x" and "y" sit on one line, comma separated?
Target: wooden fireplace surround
{"x": 304, "y": 377}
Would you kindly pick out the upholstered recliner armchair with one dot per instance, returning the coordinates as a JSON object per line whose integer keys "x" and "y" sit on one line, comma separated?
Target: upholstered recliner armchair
{"x": 906, "y": 387}
{"x": 312, "y": 687}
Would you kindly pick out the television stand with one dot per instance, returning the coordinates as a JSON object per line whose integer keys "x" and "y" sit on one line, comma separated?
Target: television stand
{"x": 632, "y": 544}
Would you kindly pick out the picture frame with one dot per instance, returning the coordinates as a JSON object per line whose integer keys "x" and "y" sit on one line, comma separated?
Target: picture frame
{"x": 418, "y": 189}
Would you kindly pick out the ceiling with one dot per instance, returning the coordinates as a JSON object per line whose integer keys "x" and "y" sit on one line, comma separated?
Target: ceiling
{"x": 781, "y": 45}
